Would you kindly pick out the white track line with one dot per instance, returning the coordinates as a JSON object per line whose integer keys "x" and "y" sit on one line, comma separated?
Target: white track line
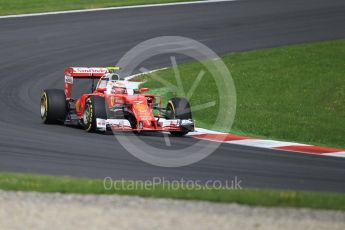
{"x": 114, "y": 8}
{"x": 336, "y": 154}
{"x": 199, "y": 131}
{"x": 264, "y": 143}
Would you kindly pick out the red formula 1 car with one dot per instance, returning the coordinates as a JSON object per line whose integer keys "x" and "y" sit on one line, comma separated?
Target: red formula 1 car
{"x": 114, "y": 104}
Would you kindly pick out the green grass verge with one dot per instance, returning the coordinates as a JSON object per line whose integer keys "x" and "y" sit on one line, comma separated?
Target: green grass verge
{"x": 294, "y": 93}
{"x": 9, "y": 7}
{"x": 260, "y": 197}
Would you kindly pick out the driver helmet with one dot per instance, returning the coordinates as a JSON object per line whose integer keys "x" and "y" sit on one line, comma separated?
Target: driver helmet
{"x": 119, "y": 88}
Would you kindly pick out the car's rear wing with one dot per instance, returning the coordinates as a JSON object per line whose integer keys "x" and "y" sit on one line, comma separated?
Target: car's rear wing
{"x": 85, "y": 73}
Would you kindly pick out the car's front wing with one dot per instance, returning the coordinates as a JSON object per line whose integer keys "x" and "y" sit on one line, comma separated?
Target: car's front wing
{"x": 162, "y": 125}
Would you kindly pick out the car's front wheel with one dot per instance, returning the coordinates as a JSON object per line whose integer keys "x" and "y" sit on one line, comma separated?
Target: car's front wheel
{"x": 179, "y": 108}
{"x": 95, "y": 107}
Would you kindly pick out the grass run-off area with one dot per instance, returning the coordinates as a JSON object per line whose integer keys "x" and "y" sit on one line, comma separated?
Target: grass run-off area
{"x": 260, "y": 197}
{"x": 9, "y": 7}
{"x": 293, "y": 93}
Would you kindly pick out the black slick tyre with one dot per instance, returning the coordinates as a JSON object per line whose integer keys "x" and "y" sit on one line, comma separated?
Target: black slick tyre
{"x": 53, "y": 106}
{"x": 179, "y": 108}
{"x": 94, "y": 108}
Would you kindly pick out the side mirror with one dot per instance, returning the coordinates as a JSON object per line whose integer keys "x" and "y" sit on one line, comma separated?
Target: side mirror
{"x": 101, "y": 90}
{"x": 143, "y": 90}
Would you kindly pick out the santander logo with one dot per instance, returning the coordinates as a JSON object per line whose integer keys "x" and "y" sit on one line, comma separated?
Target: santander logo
{"x": 90, "y": 70}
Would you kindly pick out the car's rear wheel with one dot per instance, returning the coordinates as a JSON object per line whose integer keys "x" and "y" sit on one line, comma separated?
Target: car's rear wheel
{"x": 53, "y": 106}
{"x": 95, "y": 107}
{"x": 179, "y": 108}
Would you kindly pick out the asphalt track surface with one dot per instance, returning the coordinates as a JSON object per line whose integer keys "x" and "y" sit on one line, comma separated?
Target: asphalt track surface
{"x": 35, "y": 50}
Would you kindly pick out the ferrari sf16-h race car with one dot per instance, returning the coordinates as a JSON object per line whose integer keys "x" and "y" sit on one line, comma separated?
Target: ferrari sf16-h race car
{"x": 114, "y": 104}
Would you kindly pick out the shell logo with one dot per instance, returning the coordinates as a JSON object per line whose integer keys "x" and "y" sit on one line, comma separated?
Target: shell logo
{"x": 140, "y": 107}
